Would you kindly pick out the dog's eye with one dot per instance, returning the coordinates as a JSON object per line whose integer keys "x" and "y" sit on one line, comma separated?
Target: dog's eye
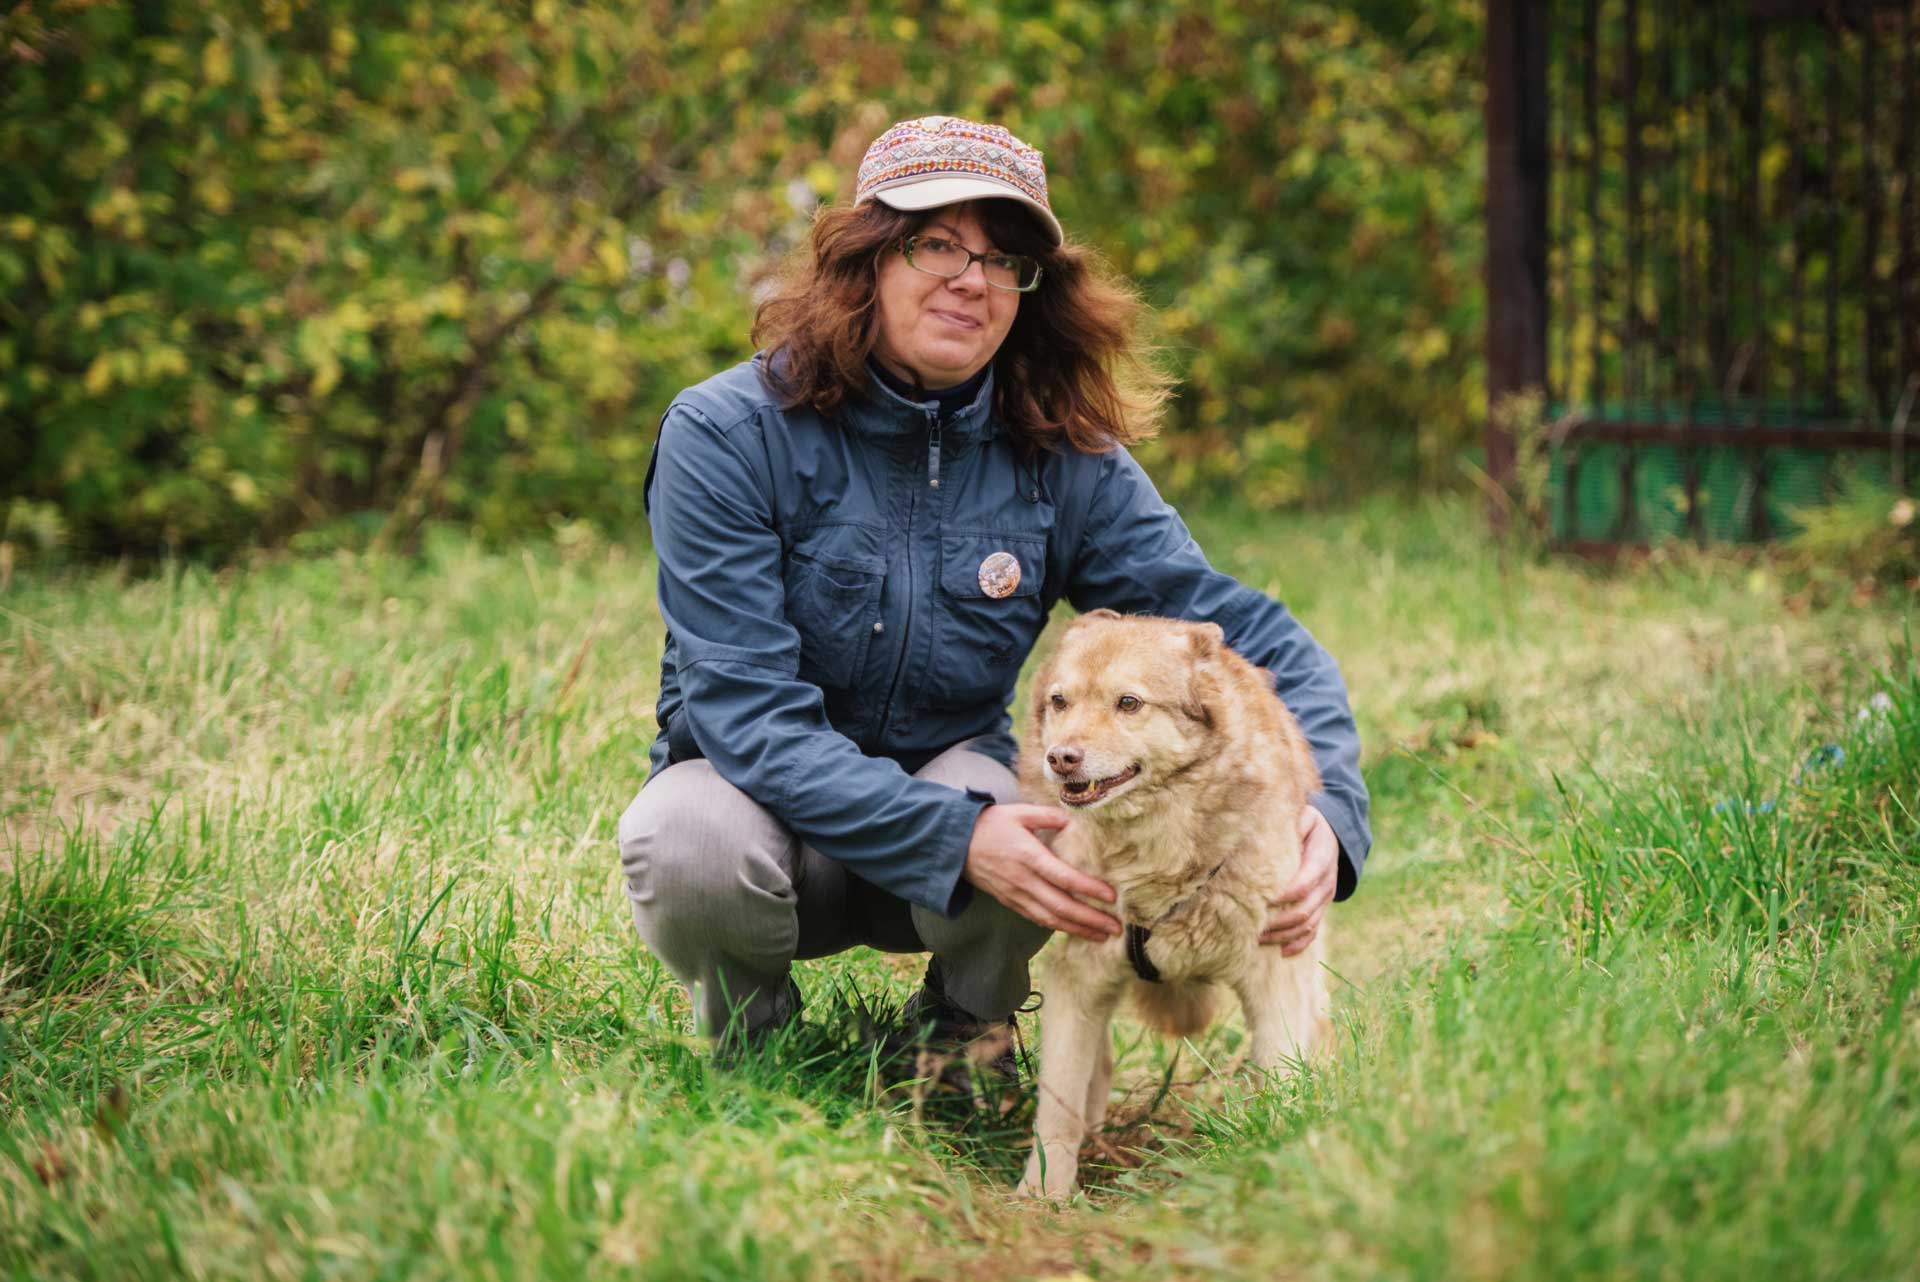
{"x": 1128, "y": 703}
{"x": 1058, "y": 701}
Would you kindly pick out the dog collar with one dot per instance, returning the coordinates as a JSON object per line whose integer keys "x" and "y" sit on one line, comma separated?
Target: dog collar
{"x": 1137, "y": 935}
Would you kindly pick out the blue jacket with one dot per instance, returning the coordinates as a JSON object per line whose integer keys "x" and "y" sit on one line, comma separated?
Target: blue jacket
{"x": 827, "y": 633}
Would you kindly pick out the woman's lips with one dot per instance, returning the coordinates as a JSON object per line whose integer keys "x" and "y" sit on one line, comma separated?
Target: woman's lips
{"x": 956, "y": 319}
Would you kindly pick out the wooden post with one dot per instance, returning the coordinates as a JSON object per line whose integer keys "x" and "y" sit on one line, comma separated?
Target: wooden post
{"x": 1517, "y": 175}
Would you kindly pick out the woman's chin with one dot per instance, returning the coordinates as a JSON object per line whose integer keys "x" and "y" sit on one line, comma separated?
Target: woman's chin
{"x": 944, "y": 368}
{"x": 954, "y": 356}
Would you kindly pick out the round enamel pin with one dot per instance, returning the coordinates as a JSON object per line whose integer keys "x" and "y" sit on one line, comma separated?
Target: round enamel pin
{"x": 1000, "y": 574}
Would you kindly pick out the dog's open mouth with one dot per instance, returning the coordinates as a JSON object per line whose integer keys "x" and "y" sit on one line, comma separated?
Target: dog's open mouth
{"x": 1084, "y": 792}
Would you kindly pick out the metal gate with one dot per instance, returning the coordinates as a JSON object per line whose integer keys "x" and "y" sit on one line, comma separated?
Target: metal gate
{"x": 1702, "y": 250}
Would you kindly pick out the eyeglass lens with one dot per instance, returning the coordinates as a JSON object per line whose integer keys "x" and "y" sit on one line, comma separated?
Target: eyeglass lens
{"x": 941, "y": 257}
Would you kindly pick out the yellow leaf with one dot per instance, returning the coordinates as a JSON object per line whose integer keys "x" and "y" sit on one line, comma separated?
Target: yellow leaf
{"x": 216, "y": 62}
{"x": 99, "y": 374}
{"x": 612, "y": 256}
{"x": 214, "y": 194}
{"x": 823, "y": 178}
{"x": 162, "y": 362}
{"x": 1426, "y": 347}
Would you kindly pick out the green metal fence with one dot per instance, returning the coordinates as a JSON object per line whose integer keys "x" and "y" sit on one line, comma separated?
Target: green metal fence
{"x": 1731, "y": 260}
{"x": 1724, "y": 475}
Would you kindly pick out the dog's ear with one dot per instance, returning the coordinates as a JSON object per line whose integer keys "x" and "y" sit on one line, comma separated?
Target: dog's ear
{"x": 1204, "y": 641}
{"x": 1202, "y": 693}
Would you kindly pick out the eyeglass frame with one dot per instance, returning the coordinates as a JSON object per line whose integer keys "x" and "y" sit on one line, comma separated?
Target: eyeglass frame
{"x": 906, "y": 243}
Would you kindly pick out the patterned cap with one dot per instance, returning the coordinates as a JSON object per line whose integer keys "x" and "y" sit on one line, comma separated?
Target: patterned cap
{"x": 939, "y": 160}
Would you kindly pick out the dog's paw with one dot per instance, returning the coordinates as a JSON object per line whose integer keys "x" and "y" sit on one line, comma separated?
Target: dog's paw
{"x": 1055, "y": 1184}
{"x": 1033, "y": 1192}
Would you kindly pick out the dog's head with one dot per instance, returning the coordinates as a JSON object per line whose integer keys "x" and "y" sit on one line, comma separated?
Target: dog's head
{"x": 1123, "y": 705}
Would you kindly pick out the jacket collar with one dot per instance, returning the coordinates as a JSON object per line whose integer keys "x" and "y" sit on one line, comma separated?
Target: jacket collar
{"x": 884, "y": 412}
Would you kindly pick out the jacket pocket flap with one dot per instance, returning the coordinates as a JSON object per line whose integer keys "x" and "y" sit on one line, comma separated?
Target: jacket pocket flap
{"x": 1011, "y": 564}
{"x": 849, "y": 573}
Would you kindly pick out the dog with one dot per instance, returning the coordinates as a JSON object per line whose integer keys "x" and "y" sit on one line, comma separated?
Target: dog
{"x": 1186, "y": 775}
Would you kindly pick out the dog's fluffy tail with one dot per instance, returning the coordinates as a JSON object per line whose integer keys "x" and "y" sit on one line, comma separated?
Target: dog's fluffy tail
{"x": 1178, "y": 1010}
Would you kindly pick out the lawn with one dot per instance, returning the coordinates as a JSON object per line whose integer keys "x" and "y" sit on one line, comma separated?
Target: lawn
{"x": 315, "y": 962}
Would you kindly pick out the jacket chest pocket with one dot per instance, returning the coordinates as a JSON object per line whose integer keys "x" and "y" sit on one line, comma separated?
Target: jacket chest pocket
{"x": 832, "y": 602}
{"x": 990, "y": 614}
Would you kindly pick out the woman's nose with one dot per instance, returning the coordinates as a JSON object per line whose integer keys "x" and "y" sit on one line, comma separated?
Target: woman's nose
{"x": 971, "y": 281}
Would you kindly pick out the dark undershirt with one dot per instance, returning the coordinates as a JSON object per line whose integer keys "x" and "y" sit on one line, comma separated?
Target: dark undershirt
{"x": 951, "y": 399}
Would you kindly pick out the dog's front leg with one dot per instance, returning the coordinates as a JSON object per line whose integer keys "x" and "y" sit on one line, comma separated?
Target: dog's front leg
{"x": 1277, "y": 996}
{"x": 1073, "y": 1030}
{"x": 1100, "y": 1085}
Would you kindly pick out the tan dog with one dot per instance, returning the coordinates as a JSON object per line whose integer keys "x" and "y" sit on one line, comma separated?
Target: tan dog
{"x": 1186, "y": 775}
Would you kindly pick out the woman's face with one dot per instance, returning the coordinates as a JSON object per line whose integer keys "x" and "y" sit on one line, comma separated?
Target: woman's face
{"x": 945, "y": 331}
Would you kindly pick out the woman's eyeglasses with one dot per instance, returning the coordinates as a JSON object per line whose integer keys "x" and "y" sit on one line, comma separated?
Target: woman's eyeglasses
{"x": 938, "y": 256}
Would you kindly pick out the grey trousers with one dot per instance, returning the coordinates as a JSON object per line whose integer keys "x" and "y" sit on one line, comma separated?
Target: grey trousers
{"x": 728, "y": 898}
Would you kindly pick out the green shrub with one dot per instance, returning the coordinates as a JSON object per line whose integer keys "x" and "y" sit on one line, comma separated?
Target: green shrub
{"x": 262, "y": 267}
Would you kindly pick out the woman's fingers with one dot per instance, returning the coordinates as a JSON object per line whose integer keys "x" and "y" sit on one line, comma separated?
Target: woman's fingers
{"x": 1296, "y": 940}
{"x": 1035, "y": 817}
{"x": 1286, "y": 920}
{"x": 1060, "y": 911}
{"x": 1049, "y": 884}
{"x": 1058, "y": 881}
{"x": 1319, "y": 858}
{"x": 1284, "y": 925}
{"x": 1070, "y": 879}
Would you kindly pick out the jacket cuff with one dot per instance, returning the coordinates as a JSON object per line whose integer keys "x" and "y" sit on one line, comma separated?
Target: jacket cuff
{"x": 1346, "y": 831}
{"x": 952, "y": 891}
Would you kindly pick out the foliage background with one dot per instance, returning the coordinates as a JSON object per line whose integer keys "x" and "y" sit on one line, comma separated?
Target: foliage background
{"x": 318, "y": 272}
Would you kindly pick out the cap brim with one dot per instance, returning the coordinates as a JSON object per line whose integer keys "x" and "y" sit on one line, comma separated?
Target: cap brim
{"x": 915, "y": 194}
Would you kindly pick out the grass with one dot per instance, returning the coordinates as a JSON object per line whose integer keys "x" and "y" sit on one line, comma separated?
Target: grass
{"x": 314, "y": 959}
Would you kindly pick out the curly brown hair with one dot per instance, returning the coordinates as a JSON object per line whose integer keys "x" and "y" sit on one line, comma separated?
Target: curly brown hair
{"x": 1073, "y": 367}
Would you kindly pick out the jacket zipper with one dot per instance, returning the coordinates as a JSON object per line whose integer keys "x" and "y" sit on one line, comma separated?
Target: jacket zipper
{"x": 906, "y": 633}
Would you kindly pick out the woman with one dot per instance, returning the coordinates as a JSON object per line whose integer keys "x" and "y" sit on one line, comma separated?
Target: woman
{"x": 860, "y": 534}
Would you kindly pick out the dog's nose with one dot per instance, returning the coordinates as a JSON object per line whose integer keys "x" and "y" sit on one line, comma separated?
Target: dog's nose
{"x": 1065, "y": 758}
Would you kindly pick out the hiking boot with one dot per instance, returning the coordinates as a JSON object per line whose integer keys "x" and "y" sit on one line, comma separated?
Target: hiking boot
{"x": 952, "y": 1047}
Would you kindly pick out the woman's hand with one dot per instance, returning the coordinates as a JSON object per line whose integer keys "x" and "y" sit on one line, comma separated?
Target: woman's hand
{"x": 1007, "y": 861}
{"x": 1297, "y": 913}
